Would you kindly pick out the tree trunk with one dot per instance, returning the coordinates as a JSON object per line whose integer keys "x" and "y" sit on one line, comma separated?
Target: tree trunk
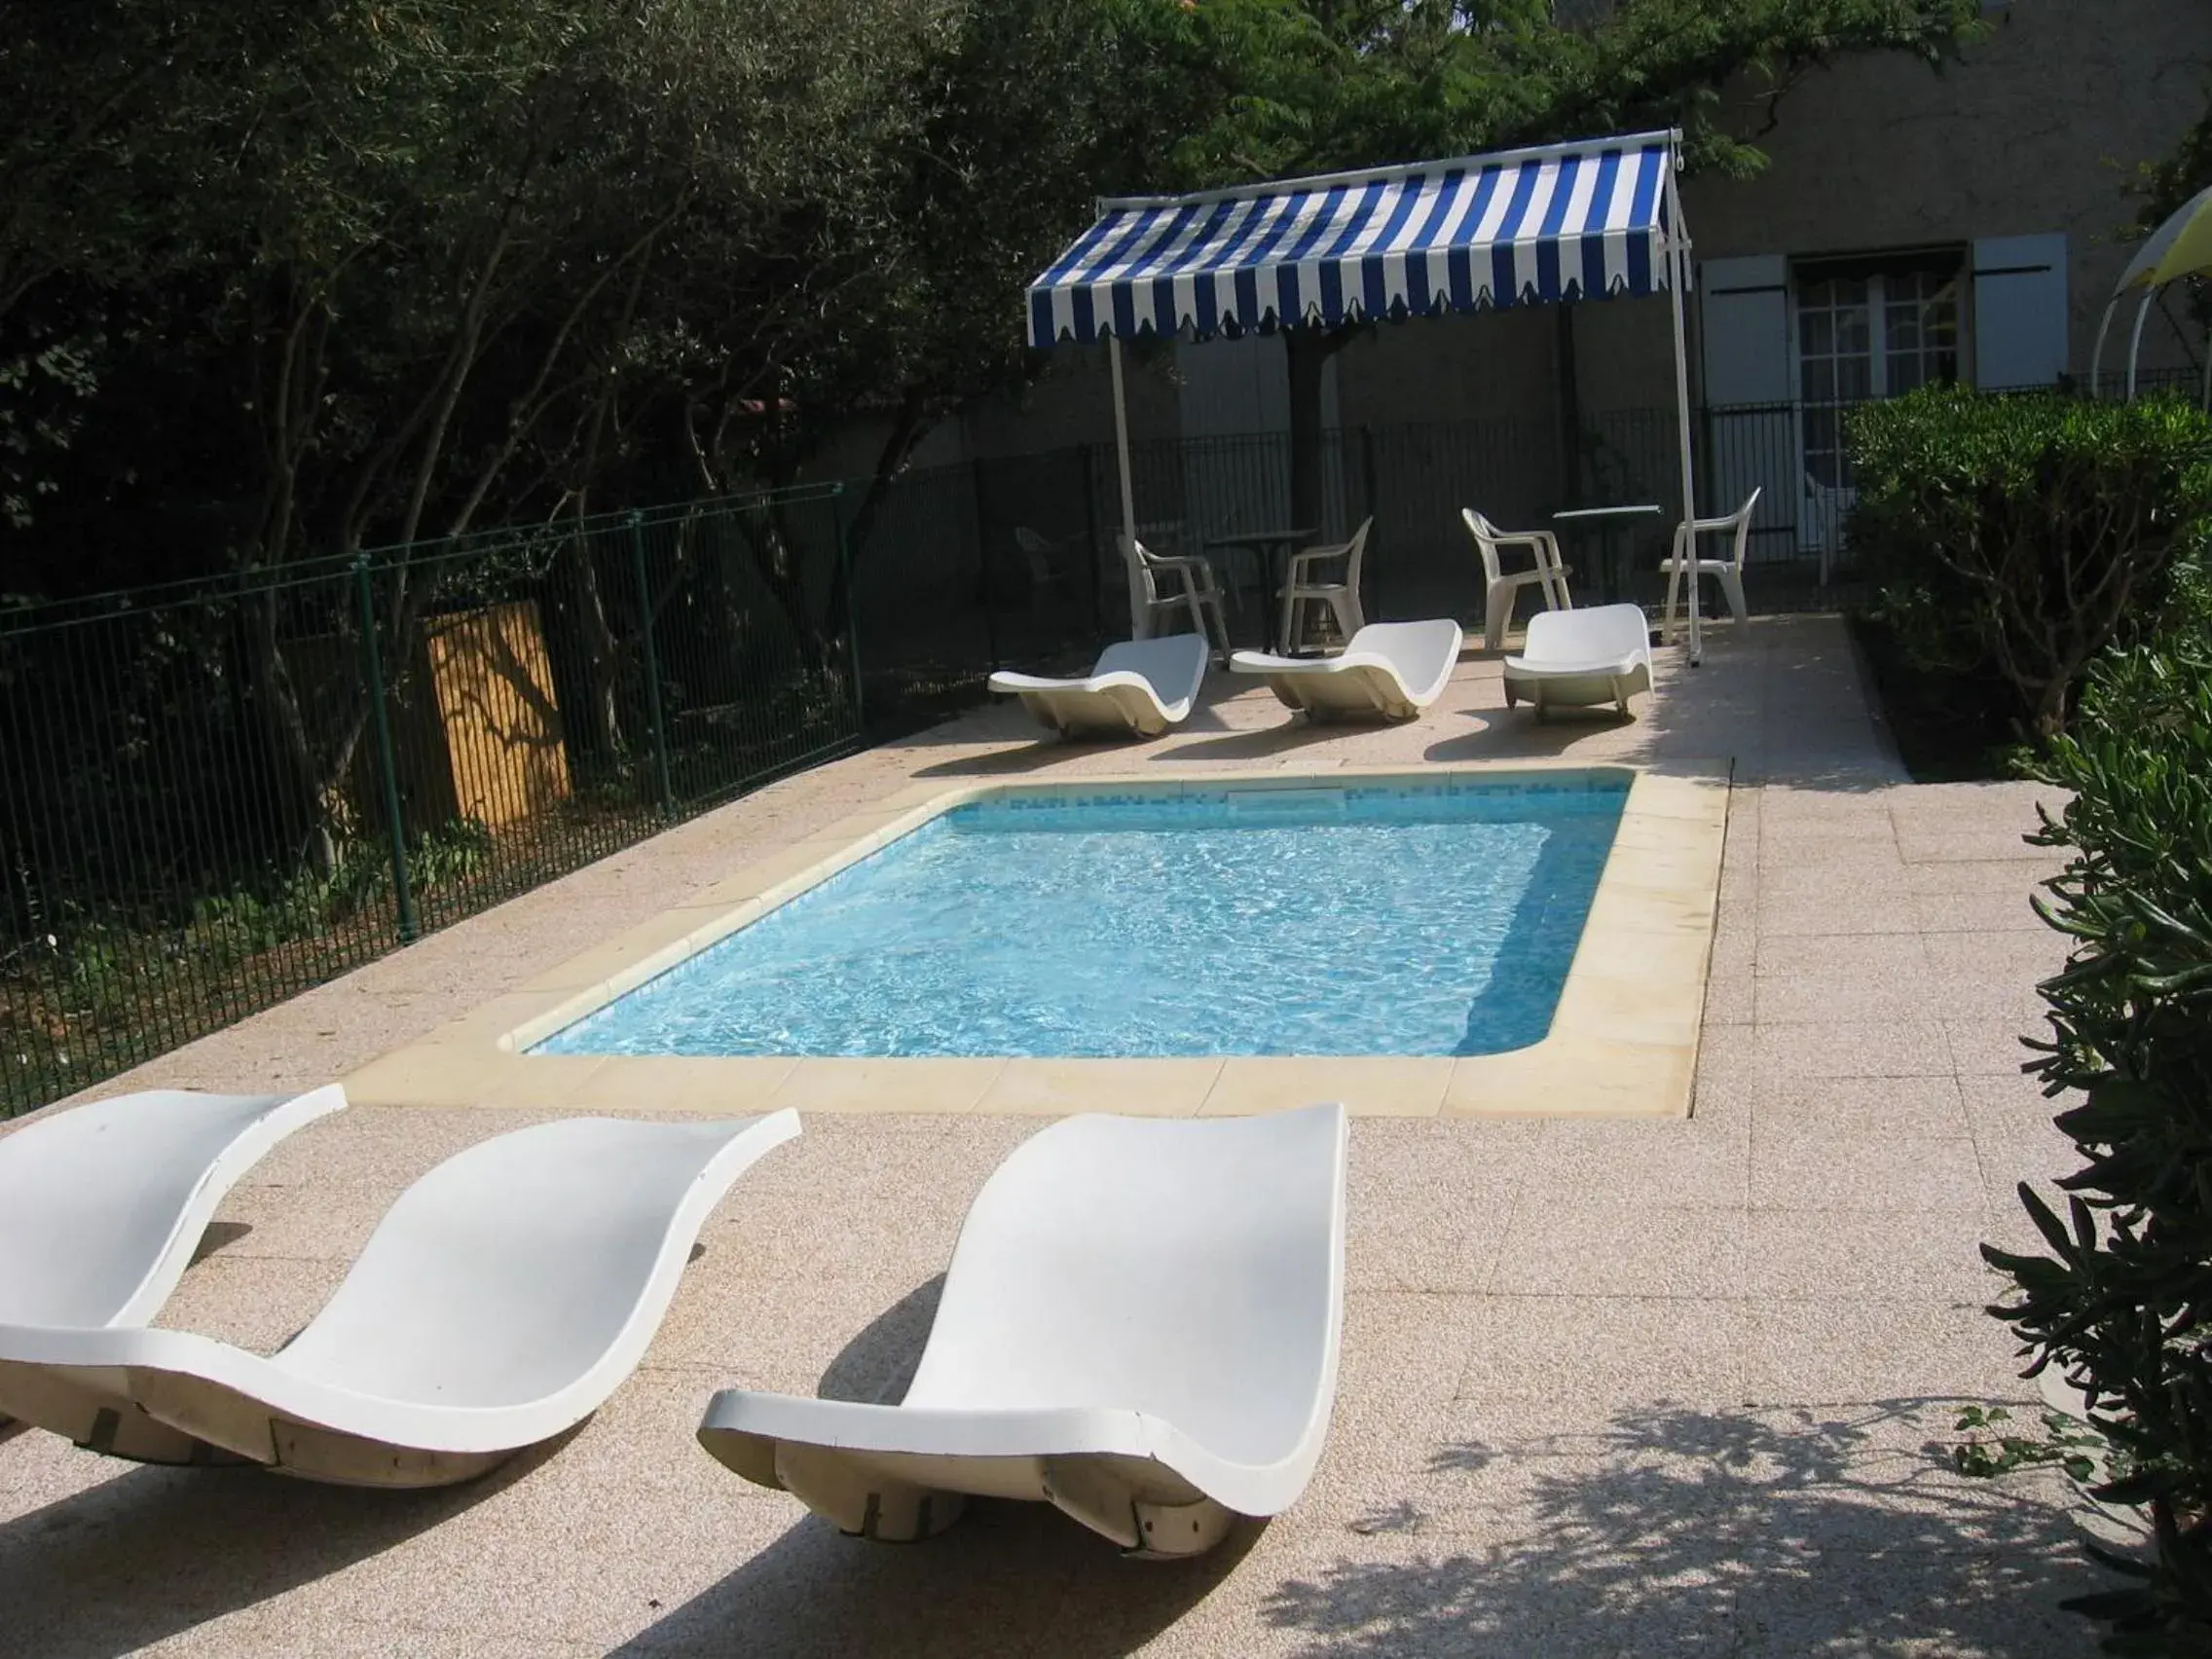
{"x": 1569, "y": 408}
{"x": 1310, "y": 350}
{"x": 602, "y": 657}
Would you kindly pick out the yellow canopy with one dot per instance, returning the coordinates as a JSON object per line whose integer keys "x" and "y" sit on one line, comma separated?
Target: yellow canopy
{"x": 2180, "y": 247}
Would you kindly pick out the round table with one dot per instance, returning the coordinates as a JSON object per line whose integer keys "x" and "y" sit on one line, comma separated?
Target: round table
{"x": 1608, "y": 522}
{"x": 1272, "y": 548}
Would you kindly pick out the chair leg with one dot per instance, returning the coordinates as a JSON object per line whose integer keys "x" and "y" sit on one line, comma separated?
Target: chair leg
{"x": 1673, "y": 584}
{"x": 1347, "y": 612}
{"x": 1286, "y": 638}
{"x": 1498, "y": 613}
{"x": 1732, "y": 584}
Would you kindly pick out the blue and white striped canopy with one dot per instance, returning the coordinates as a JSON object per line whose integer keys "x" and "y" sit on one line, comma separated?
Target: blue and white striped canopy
{"x": 1571, "y": 220}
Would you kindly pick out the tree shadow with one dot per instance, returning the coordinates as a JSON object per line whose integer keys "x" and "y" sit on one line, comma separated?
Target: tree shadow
{"x": 1007, "y": 1576}
{"x": 1790, "y": 1530}
{"x": 155, "y": 1552}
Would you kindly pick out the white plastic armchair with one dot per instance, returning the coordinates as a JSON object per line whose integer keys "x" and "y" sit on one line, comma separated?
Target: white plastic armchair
{"x": 1304, "y": 585}
{"x": 1501, "y": 587}
{"x": 1048, "y": 573}
{"x": 1727, "y": 570}
{"x": 1164, "y": 583}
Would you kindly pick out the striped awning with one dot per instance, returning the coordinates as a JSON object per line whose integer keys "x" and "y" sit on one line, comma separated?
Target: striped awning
{"x": 1565, "y": 222}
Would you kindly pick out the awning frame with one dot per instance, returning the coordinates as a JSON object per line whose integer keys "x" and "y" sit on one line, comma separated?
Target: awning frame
{"x": 1303, "y": 280}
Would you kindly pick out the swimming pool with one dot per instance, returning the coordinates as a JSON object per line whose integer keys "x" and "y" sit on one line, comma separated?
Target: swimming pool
{"x": 1391, "y": 918}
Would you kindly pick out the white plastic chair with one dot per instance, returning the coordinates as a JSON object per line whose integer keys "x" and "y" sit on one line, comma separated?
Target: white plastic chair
{"x": 1304, "y": 587}
{"x": 1047, "y": 575}
{"x": 1140, "y": 688}
{"x": 1827, "y": 506}
{"x": 1581, "y": 658}
{"x": 505, "y": 1295}
{"x": 1501, "y": 587}
{"x": 1387, "y": 671}
{"x": 1727, "y": 571}
{"x": 1139, "y": 1326}
{"x": 1161, "y": 585}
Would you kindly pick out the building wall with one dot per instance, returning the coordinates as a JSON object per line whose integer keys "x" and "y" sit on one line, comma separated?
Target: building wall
{"x": 2034, "y": 132}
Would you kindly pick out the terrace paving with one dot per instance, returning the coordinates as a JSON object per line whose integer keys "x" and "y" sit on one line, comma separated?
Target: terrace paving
{"x": 1607, "y": 1386}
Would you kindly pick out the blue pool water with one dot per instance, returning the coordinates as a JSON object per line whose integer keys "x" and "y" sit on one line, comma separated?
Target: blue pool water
{"x": 1395, "y": 919}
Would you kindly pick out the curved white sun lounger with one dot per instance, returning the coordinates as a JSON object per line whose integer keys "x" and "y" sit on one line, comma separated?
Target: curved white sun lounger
{"x": 1581, "y": 658}
{"x": 1387, "y": 671}
{"x": 1140, "y": 688}
{"x": 102, "y": 1206}
{"x": 1139, "y": 1326}
{"x": 500, "y": 1301}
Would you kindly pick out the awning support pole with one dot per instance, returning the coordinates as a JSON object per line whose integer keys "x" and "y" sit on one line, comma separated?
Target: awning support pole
{"x": 1140, "y": 614}
{"x": 2097, "y": 356}
{"x": 1679, "y": 273}
{"x": 2135, "y": 339}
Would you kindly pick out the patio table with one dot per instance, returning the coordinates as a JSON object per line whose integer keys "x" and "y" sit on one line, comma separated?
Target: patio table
{"x": 1272, "y": 550}
{"x": 1608, "y": 522}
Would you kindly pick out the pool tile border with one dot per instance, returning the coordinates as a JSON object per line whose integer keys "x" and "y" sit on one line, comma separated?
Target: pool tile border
{"x": 1623, "y": 1040}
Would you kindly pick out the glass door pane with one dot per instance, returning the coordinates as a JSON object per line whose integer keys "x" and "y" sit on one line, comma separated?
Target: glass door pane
{"x": 1837, "y": 366}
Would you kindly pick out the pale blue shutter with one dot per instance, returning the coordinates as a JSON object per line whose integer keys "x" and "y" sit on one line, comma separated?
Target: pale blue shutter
{"x": 1751, "y": 425}
{"x": 2019, "y": 311}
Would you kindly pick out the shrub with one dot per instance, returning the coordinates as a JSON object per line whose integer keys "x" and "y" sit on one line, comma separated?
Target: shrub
{"x": 2121, "y": 1303}
{"x": 2021, "y": 535}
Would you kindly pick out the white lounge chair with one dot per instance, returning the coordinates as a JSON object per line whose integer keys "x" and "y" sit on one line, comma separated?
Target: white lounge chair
{"x": 1140, "y": 688}
{"x": 102, "y": 1206}
{"x": 1139, "y": 1326}
{"x": 504, "y": 1296}
{"x": 1581, "y": 658}
{"x": 1388, "y": 671}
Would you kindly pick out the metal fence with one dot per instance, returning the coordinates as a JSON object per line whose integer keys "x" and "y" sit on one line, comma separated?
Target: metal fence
{"x": 215, "y": 795}
{"x": 211, "y": 797}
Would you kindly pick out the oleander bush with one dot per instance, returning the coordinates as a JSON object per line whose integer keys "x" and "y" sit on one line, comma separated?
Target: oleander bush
{"x": 2120, "y": 1305}
{"x": 2012, "y": 539}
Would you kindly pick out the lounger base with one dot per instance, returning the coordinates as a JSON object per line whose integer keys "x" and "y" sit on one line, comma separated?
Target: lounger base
{"x": 1545, "y": 693}
{"x": 94, "y": 1411}
{"x": 901, "y": 1497}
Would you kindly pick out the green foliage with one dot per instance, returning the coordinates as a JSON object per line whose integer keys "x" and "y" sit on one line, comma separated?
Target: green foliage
{"x": 2119, "y": 1303}
{"x": 2020, "y": 536}
{"x": 1316, "y": 85}
{"x": 1991, "y": 1450}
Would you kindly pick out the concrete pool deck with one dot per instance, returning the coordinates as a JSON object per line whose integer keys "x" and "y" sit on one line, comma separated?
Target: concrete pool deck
{"x": 1609, "y": 1386}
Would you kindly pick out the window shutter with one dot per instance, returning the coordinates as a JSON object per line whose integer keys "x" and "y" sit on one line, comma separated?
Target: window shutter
{"x": 1744, "y": 306}
{"x": 1743, "y": 334}
{"x": 2019, "y": 311}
